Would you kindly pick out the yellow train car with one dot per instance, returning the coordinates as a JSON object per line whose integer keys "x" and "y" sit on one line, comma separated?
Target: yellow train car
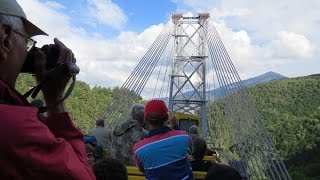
{"x": 135, "y": 174}
{"x": 185, "y": 121}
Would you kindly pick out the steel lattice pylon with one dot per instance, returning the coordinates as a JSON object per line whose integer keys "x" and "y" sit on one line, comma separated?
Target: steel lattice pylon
{"x": 187, "y": 80}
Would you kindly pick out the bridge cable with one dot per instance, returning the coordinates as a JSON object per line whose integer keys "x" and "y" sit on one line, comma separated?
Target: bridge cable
{"x": 149, "y": 72}
{"x": 231, "y": 84}
{"x": 221, "y": 78}
{"x": 133, "y": 83}
{"x": 258, "y": 123}
{"x": 115, "y": 105}
{"x": 166, "y": 74}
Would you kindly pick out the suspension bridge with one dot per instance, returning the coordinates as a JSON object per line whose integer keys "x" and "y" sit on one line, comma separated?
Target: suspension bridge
{"x": 187, "y": 59}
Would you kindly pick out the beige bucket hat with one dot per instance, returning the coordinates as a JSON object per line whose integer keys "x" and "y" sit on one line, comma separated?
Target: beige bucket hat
{"x": 11, "y": 7}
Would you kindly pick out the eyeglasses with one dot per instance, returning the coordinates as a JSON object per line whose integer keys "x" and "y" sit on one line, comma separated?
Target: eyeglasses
{"x": 29, "y": 41}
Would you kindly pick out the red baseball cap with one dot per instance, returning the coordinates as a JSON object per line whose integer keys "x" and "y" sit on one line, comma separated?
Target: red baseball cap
{"x": 155, "y": 106}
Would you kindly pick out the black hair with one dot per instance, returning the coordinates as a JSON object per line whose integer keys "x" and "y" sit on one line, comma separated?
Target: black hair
{"x": 37, "y": 103}
{"x": 199, "y": 148}
{"x": 156, "y": 119}
{"x": 110, "y": 169}
{"x": 222, "y": 172}
{"x": 100, "y": 122}
{"x": 89, "y": 148}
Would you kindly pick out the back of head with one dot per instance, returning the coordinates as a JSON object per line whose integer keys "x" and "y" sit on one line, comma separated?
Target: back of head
{"x": 199, "y": 148}
{"x": 37, "y": 103}
{"x": 89, "y": 147}
{"x": 137, "y": 112}
{"x": 110, "y": 169}
{"x": 222, "y": 172}
{"x": 194, "y": 130}
{"x": 156, "y": 112}
{"x": 100, "y": 122}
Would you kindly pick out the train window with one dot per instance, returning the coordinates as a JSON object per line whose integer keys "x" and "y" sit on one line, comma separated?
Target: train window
{"x": 185, "y": 124}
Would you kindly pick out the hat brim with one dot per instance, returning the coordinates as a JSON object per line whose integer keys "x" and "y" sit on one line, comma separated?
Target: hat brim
{"x": 31, "y": 29}
{"x": 159, "y": 118}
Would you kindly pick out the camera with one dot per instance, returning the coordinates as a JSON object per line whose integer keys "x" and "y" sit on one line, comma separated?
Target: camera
{"x": 52, "y": 53}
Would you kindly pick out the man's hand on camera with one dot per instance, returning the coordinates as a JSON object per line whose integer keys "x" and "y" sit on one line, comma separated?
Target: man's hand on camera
{"x": 55, "y": 80}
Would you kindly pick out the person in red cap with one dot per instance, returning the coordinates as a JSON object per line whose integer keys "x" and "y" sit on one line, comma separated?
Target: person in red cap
{"x": 31, "y": 149}
{"x": 163, "y": 154}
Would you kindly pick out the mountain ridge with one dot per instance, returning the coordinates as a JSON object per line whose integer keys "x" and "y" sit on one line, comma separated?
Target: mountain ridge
{"x": 260, "y": 79}
{"x": 266, "y": 77}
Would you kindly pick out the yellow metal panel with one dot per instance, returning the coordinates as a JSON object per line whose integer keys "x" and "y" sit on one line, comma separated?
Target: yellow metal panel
{"x": 199, "y": 174}
{"x": 133, "y": 170}
{"x": 185, "y": 116}
{"x": 212, "y": 158}
{"x": 135, "y": 174}
{"x": 132, "y": 177}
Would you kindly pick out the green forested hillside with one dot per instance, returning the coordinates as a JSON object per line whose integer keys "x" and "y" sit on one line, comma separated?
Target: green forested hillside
{"x": 290, "y": 108}
{"x": 293, "y": 106}
{"x": 85, "y": 103}
{"x": 291, "y": 112}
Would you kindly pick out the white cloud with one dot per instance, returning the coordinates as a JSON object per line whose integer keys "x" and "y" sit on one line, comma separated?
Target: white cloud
{"x": 240, "y": 49}
{"x": 252, "y": 31}
{"x": 238, "y": 12}
{"x": 263, "y": 24}
{"x": 106, "y": 62}
{"x": 108, "y": 13}
{"x": 48, "y": 18}
{"x": 111, "y": 61}
{"x": 55, "y": 5}
{"x": 291, "y": 45}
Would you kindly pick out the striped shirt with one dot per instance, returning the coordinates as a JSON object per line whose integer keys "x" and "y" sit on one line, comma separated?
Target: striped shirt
{"x": 164, "y": 154}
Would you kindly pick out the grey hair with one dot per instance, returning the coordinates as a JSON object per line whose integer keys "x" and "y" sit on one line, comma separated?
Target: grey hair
{"x": 137, "y": 111}
{"x": 13, "y": 21}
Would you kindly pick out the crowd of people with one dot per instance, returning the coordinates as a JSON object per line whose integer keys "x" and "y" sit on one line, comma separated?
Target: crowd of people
{"x": 152, "y": 140}
{"x": 49, "y": 146}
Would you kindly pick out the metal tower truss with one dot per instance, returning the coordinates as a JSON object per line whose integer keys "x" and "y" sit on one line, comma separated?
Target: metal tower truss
{"x": 187, "y": 80}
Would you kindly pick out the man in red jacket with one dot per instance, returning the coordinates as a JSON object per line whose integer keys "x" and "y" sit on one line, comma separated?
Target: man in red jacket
{"x": 29, "y": 148}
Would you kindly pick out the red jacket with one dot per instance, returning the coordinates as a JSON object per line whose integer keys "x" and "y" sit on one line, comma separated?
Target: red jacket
{"x": 31, "y": 149}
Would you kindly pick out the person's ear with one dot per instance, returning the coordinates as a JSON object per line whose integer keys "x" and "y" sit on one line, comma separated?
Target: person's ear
{"x": 5, "y": 41}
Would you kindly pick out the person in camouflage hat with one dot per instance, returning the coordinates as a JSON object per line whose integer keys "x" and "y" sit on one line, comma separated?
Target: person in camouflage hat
{"x": 126, "y": 134}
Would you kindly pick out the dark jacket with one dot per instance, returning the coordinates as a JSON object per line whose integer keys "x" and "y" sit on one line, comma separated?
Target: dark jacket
{"x": 200, "y": 165}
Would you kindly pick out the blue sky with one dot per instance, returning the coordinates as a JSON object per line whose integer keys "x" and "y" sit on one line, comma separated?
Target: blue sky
{"x": 140, "y": 14}
{"x": 109, "y": 37}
